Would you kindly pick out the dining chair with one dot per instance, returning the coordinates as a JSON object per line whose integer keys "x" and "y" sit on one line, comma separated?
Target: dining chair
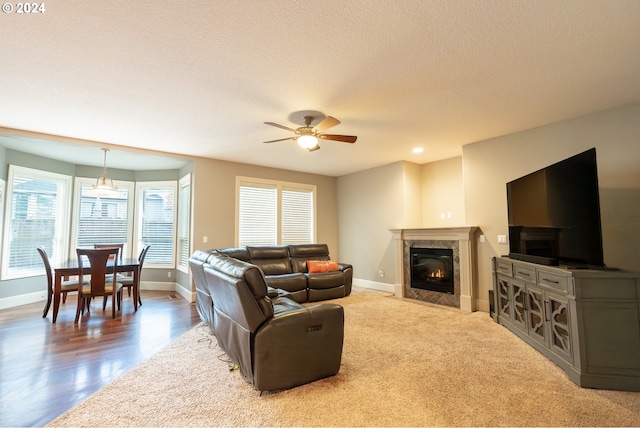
{"x": 102, "y": 261}
{"x": 120, "y": 247}
{"x": 68, "y": 286}
{"x": 127, "y": 280}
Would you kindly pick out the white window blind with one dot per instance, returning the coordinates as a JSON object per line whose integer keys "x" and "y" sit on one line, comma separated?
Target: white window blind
{"x": 37, "y": 215}
{"x": 184, "y": 203}
{"x": 272, "y": 212}
{"x": 258, "y": 215}
{"x": 297, "y": 216}
{"x": 102, "y": 219}
{"x": 156, "y": 211}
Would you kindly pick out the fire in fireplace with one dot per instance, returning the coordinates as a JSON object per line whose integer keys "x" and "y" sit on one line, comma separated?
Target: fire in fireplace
{"x": 432, "y": 269}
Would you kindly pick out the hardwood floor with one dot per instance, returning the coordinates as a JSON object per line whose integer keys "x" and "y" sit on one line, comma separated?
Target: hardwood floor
{"x": 46, "y": 368}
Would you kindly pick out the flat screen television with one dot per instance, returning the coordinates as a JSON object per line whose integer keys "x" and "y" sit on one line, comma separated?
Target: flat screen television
{"x": 554, "y": 214}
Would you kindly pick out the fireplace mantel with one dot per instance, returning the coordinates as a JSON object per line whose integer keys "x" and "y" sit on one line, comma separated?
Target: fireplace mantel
{"x": 463, "y": 235}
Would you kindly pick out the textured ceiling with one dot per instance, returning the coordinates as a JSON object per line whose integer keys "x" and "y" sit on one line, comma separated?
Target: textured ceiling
{"x": 201, "y": 77}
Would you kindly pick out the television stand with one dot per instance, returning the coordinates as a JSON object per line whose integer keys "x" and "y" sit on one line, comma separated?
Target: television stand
{"x": 541, "y": 260}
{"x": 586, "y": 321}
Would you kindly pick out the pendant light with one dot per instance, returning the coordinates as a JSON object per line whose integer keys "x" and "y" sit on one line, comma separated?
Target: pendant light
{"x": 104, "y": 185}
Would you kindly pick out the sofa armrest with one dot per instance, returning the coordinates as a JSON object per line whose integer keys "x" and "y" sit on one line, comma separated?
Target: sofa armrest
{"x": 344, "y": 266}
{"x": 274, "y": 293}
{"x": 297, "y": 347}
{"x": 347, "y": 269}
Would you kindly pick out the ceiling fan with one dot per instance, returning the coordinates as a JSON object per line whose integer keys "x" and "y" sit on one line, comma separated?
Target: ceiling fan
{"x": 308, "y": 136}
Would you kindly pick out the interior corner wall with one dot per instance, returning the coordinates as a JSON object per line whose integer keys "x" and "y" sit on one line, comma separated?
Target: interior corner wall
{"x": 443, "y": 193}
{"x": 412, "y": 194}
{"x": 489, "y": 165}
{"x": 370, "y": 203}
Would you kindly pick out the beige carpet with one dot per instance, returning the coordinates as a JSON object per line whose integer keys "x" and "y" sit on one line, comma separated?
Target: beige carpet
{"x": 405, "y": 363}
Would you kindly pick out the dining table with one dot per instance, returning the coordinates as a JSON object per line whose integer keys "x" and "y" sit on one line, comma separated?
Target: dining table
{"x": 72, "y": 268}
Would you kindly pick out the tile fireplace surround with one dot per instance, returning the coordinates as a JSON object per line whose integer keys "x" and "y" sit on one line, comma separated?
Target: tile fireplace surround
{"x": 462, "y": 241}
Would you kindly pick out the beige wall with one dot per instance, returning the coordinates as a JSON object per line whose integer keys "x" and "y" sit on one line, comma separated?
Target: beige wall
{"x": 213, "y": 198}
{"x": 443, "y": 193}
{"x": 473, "y": 189}
{"x": 370, "y": 203}
{"x": 214, "y": 201}
{"x": 398, "y": 195}
{"x": 489, "y": 165}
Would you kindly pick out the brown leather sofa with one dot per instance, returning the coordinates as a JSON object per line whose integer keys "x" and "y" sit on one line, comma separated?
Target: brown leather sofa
{"x": 276, "y": 342}
{"x": 285, "y": 268}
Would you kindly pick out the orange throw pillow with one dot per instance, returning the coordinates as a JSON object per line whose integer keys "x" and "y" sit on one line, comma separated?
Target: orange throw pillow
{"x": 319, "y": 266}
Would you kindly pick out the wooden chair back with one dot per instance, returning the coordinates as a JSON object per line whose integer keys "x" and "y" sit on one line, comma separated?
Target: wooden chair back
{"x": 47, "y": 268}
{"x": 102, "y": 261}
{"x": 98, "y": 269}
{"x": 142, "y": 255}
{"x": 120, "y": 247}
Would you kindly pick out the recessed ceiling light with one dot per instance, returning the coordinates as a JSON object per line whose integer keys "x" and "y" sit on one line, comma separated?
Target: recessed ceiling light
{"x": 418, "y": 150}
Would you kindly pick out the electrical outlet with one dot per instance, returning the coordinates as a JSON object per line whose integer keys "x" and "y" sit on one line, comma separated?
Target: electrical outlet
{"x": 502, "y": 239}
{"x": 168, "y": 274}
{"x": 205, "y": 239}
{"x": 381, "y": 273}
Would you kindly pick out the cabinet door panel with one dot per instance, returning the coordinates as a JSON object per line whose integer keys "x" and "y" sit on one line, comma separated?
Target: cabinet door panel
{"x": 504, "y": 300}
{"x": 536, "y": 315}
{"x": 519, "y": 312}
{"x": 559, "y": 322}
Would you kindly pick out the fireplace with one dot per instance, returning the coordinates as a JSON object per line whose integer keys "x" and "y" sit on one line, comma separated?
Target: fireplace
{"x": 461, "y": 242}
{"x": 432, "y": 269}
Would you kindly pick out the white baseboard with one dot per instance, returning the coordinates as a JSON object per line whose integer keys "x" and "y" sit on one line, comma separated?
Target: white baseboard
{"x": 187, "y": 294}
{"x": 157, "y": 286}
{"x": 23, "y": 299}
{"x": 374, "y": 285}
{"x": 41, "y": 296}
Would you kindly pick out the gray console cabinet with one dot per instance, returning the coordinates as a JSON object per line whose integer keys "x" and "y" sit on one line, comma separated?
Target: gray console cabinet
{"x": 585, "y": 321}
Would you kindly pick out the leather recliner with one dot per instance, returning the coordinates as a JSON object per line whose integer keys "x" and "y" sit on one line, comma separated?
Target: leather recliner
{"x": 276, "y": 342}
{"x": 204, "y": 304}
{"x": 285, "y": 268}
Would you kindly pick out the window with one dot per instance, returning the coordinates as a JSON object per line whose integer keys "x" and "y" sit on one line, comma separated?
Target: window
{"x": 156, "y": 221}
{"x": 274, "y": 212}
{"x": 102, "y": 219}
{"x": 37, "y": 215}
{"x": 297, "y": 216}
{"x": 184, "y": 216}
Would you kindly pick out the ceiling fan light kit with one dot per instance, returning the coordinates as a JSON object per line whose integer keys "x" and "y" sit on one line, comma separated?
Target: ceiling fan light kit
{"x": 307, "y": 136}
{"x": 307, "y": 141}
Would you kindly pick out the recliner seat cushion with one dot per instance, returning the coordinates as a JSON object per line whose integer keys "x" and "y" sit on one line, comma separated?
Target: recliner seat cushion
{"x": 325, "y": 280}
{"x": 289, "y": 282}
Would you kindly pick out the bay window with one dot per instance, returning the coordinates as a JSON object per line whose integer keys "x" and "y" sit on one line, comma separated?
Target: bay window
{"x": 36, "y": 215}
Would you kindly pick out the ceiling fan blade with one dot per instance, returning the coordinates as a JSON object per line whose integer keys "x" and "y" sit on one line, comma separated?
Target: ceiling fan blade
{"x": 343, "y": 138}
{"x": 280, "y": 126}
{"x": 313, "y": 149}
{"x": 328, "y": 122}
{"x": 281, "y": 139}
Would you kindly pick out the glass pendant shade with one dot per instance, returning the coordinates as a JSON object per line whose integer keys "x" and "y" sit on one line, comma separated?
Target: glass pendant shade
{"x": 307, "y": 141}
{"x": 104, "y": 185}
